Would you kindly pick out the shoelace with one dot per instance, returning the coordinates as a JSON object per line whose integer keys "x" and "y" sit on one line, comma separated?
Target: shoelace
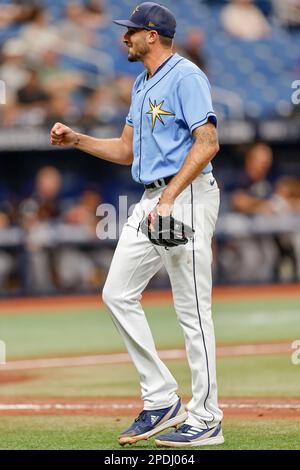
{"x": 141, "y": 416}
{"x": 183, "y": 428}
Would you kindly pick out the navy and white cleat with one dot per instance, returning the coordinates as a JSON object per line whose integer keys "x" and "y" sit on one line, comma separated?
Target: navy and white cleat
{"x": 190, "y": 436}
{"x": 151, "y": 422}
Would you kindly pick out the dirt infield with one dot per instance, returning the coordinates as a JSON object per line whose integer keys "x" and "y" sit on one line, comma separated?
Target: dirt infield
{"x": 35, "y": 304}
{"x": 117, "y": 407}
{"x": 14, "y": 377}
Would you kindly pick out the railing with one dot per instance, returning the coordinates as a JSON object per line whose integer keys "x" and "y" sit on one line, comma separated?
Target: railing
{"x": 246, "y": 249}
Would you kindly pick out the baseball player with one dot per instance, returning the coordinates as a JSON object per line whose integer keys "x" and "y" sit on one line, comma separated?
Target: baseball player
{"x": 169, "y": 139}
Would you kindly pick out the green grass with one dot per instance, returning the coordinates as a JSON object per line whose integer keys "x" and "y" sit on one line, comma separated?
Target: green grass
{"x": 90, "y": 330}
{"x": 269, "y": 376}
{"x": 86, "y": 432}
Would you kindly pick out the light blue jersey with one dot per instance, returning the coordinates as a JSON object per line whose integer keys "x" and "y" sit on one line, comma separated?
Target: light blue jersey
{"x": 164, "y": 112}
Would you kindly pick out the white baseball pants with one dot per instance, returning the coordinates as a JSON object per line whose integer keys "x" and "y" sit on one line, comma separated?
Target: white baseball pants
{"x": 135, "y": 262}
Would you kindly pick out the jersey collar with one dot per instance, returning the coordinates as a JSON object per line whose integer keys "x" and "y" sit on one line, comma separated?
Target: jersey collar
{"x": 161, "y": 66}
{"x": 162, "y": 70}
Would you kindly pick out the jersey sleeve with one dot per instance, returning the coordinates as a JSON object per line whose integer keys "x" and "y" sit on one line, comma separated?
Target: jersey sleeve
{"x": 129, "y": 120}
{"x": 195, "y": 100}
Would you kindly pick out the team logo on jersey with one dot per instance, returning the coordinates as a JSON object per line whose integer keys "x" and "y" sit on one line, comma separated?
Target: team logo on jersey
{"x": 157, "y": 112}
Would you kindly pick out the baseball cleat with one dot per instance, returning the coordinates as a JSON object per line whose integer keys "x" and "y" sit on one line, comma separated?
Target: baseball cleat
{"x": 190, "y": 436}
{"x": 151, "y": 422}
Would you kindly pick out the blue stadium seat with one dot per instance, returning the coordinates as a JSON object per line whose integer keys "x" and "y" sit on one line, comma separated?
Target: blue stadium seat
{"x": 260, "y": 72}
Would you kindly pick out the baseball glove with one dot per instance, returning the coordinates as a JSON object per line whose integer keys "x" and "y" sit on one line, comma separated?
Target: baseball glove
{"x": 165, "y": 231}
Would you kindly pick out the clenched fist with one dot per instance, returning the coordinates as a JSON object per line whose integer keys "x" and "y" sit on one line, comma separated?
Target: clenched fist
{"x": 62, "y": 135}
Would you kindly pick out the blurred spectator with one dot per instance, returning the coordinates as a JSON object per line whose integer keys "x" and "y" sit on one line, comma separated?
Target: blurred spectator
{"x": 96, "y": 13}
{"x": 100, "y": 106}
{"x": 44, "y": 203}
{"x": 32, "y": 92}
{"x": 37, "y": 214}
{"x": 80, "y": 38}
{"x": 81, "y": 17}
{"x": 8, "y": 15}
{"x": 73, "y": 28}
{"x": 123, "y": 86}
{"x": 61, "y": 108}
{"x": 81, "y": 267}
{"x": 40, "y": 35}
{"x": 7, "y": 264}
{"x": 110, "y": 102}
{"x": 288, "y": 11}
{"x": 73, "y": 36}
{"x": 192, "y": 48}
{"x": 13, "y": 68}
{"x": 286, "y": 202}
{"x": 256, "y": 195}
{"x": 286, "y": 197}
{"x": 254, "y": 187}
{"x": 17, "y": 12}
{"x": 14, "y": 73}
{"x": 33, "y": 102}
{"x": 47, "y": 191}
{"x": 55, "y": 77}
{"x": 84, "y": 212}
{"x": 240, "y": 258}
{"x": 61, "y": 242}
{"x": 242, "y": 19}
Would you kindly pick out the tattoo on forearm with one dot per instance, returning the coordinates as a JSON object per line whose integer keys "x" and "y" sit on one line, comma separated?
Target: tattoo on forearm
{"x": 206, "y": 135}
{"x": 77, "y": 141}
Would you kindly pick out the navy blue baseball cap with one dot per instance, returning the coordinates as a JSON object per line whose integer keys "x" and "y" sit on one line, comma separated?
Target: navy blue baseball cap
{"x": 149, "y": 15}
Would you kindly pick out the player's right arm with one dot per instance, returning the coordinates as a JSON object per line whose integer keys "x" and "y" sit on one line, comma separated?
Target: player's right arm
{"x": 117, "y": 150}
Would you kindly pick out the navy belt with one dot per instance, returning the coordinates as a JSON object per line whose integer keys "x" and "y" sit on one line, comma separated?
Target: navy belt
{"x": 160, "y": 183}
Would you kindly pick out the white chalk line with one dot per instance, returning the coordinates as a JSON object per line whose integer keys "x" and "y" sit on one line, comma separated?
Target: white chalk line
{"x": 121, "y": 358}
{"x": 119, "y": 406}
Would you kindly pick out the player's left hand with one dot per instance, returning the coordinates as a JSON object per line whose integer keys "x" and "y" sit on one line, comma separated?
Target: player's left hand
{"x": 164, "y": 208}
{"x": 165, "y": 204}
{"x": 165, "y": 230}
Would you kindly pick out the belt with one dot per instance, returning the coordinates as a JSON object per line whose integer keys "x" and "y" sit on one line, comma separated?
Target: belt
{"x": 160, "y": 183}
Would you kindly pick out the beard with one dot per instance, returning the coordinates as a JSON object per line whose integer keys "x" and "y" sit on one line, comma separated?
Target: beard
{"x": 137, "y": 56}
{"x": 132, "y": 58}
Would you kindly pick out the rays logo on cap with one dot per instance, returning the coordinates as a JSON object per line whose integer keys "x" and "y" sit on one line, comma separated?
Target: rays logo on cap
{"x": 137, "y": 8}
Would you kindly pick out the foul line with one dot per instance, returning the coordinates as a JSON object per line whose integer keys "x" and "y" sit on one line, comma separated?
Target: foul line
{"x": 120, "y": 406}
{"x": 121, "y": 358}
